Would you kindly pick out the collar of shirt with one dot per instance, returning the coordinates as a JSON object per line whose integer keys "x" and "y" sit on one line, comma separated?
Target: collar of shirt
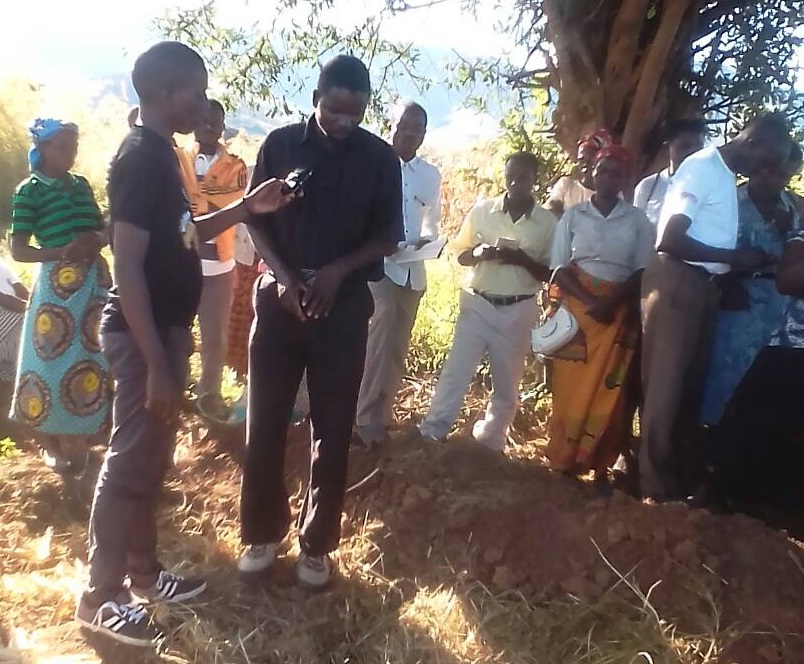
{"x": 622, "y": 209}
{"x": 314, "y": 136}
{"x": 719, "y": 157}
{"x": 502, "y": 205}
{"x": 150, "y": 136}
{"x": 203, "y": 162}
{"x": 410, "y": 165}
{"x": 54, "y": 182}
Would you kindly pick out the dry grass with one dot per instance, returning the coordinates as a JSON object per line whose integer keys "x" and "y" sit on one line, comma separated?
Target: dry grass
{"x": 366, "y": 617}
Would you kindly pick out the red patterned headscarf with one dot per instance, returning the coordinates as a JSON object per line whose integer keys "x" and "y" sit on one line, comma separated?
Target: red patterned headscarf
{"x": 597, "y": 140}
{"x": 617, "y": 153}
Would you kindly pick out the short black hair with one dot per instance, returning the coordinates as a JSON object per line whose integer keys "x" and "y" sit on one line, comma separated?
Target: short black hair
{"x": 164, "y": 66}
{"x": 413, "y": 106}
{"x": 344, "y": 71}
{"x": 772, "y": 126}
{"x": 674, "y": 128}
{"x": 527, "y": 159}
{"x": 214, "y": 103}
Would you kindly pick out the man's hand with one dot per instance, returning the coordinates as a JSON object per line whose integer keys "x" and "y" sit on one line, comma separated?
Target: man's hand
{"x": 601, "y": 310}
{"x": 267, "y": 197}
{"x": 485, "y": 252}
{"x": 511, "y": 256}
{"x": 290, "y": 295}
{"x": 319, "y": 294}
{"x": 747, "y": 259}
{"x": 161, "y": 396}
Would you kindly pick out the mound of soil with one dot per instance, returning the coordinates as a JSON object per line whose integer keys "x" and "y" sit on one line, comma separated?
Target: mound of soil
{"x": 459, "y": 510}
{"x": 515, "y": 526}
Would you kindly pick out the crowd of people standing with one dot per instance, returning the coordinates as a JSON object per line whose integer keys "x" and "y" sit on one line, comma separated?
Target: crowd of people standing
{"x": 689, "y": 304}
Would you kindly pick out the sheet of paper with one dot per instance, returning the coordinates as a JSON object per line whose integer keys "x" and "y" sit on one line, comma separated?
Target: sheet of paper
{"x": 428, "y": 252}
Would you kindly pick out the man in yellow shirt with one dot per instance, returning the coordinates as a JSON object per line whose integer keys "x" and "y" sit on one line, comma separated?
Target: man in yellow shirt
{"x": 507, "y": 242}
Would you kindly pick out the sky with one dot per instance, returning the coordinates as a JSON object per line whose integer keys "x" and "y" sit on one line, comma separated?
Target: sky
{"x": 105, "y": 36}
{"x": 79, "y": 39}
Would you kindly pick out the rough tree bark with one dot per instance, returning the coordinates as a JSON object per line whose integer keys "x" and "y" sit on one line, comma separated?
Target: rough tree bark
{"x": 628, "y": 65}
{"x": 626, "y": 91}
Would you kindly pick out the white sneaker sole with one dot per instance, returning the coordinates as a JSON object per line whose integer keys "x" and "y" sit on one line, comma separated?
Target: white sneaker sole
{"x": 115, "y": 636}
{"x": 257, "y": 569}
{"x": 307, "y": 585}
{"x": 256, "y": 565}
{"x": 176, "y": 599}
{"x": 313, "y": 585}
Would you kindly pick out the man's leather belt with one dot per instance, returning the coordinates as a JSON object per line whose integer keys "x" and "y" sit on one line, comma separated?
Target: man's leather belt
{"x": 503, "y": 300}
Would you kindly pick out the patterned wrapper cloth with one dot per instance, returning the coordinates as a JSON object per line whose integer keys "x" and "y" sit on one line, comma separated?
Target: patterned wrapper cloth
{"x": 63, "y": 385}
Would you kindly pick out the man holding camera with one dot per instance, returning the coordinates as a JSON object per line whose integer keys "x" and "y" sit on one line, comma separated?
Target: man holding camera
{"x": 312, "y": 311}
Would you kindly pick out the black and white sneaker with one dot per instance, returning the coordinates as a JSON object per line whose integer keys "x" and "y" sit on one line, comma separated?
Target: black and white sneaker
{"x": 125, "y": 623}
{"x": 170, "y": 587}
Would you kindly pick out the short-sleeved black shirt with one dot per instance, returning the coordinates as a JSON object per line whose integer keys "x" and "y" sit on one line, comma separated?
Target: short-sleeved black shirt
{"x": 145, "y": 190}
{"x": 353, "y": 196}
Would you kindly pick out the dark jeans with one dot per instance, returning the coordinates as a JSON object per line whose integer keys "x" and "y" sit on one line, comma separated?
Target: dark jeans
{"x": 333, "y": 352}
{"x": 757, "y": 450}
{"x": 122, "y": 526}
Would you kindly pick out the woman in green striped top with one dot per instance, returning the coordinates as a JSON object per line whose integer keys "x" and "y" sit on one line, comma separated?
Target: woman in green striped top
{"x": 62, "y": 387}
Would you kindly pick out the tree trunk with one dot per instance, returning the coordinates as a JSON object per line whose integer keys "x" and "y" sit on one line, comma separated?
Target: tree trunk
{"x": 646, "y": 108}
{"x": 627, "y": 92}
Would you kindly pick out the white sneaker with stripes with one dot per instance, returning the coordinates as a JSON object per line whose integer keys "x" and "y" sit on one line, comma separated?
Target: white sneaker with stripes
{"x": 125, "y": 623}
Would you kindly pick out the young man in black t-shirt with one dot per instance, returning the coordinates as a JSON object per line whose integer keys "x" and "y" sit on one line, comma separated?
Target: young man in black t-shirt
{"x": 145, "y": 334}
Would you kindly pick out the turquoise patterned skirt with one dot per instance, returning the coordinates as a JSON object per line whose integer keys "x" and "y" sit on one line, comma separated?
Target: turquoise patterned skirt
{"x": 63, "y": 386}
{"x": 739, "y": 336}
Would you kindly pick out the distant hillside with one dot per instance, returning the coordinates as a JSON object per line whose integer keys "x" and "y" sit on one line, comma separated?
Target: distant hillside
{"x": 443, "y": 107}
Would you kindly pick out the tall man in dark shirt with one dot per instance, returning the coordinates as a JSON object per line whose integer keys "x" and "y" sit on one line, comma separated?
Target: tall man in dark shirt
{"x": 312, "y": 311}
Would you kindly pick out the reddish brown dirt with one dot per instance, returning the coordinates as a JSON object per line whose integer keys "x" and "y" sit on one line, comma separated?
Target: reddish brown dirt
{"x": 514, "y": 525}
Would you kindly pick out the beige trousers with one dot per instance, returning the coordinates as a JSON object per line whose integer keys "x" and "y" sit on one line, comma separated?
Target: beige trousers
{"x": 502, "y": 332}
{"x": 395, "y": 309}
{"x": 679, "y": 304}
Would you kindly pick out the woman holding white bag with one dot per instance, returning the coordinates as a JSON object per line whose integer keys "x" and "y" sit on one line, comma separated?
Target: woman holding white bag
{"x": 599, "y": 251}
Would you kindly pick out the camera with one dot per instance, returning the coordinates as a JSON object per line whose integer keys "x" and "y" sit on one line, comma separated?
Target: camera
{"x": 295, "y": 180}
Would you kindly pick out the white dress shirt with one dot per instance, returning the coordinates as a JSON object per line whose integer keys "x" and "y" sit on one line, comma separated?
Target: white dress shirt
{"x": 650, "y": 193}
{"x": 704, "y": 189}
{"x": 421, "y": 210}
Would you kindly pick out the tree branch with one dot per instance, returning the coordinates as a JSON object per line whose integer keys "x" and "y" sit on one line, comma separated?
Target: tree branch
{"x": 621, "y": 54}
{"x": 642, "y": 112}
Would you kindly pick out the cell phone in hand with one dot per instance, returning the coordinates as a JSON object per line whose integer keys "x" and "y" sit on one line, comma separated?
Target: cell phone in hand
{"x": 295, "y": 180}
{"x": 506, "y": 243}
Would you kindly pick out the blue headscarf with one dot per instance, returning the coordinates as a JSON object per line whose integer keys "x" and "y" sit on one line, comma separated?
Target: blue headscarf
{"x": 43, "y": 129}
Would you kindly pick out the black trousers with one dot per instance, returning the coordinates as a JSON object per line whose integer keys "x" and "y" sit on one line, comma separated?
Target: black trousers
{"x": 757, "y": 450}
{"x": 333, "y": 352}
